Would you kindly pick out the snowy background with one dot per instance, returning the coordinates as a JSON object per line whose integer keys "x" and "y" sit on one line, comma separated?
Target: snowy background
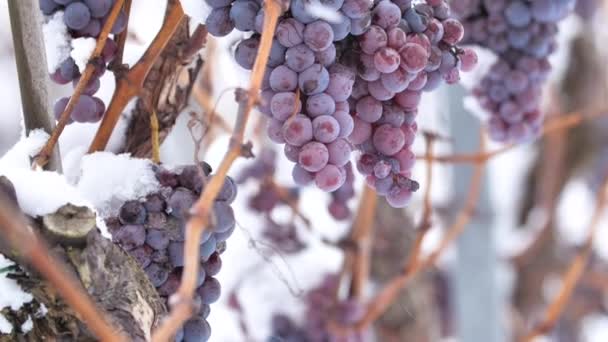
{"x": 267, "y": 281}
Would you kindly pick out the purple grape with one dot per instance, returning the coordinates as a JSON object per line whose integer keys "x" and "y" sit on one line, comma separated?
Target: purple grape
{"x": 339, "y": 152}
{"x": 386, "y": 14}
{"x": 246, "y": 51}
{"x": 213, "y": 265}
{"x": 313, "y": 156}
{"x": 320, "y": 104}
{"x": 369, "y": 109}
{"x": 388, "y": 140}
{"x": 283, "y": 78}
{"x": 283, "y": 105}
{"x": 313, "y": 80}
{"x": 242, "y": 14}
{"x": 224, "y": 216}
{"x": 76, "y": 16}
{"x": 290, "y": 32}
{"x": 362, "y": 131}
{"x": 157, "y": 239}
{"x": 318, "y": 35}
{"x": 210, "y": 291}
{"x": 157, "y": 274}
{"x": 325, "y": 128}
{"x": 299, "y": 57}
{"x": 180, "y": 202}
{"x": 345, "y": 120}
{"x": 330, "y": 178}
{"x": 99, "y": 8}
{"x": 130, "y": 236}
{"x": 301, "y": 176}
{"x": 196, "y": 329}
{"x": 219, "y": 23}
{"x": 298, "y": 130}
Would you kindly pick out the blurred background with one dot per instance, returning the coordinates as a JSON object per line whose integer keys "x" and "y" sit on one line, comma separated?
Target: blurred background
{"x": 493, "y": 284}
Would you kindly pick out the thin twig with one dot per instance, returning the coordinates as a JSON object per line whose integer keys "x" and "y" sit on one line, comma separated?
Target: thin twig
{"x": 35, "y": 252}
{"x": 121, "y": 39}
{"x": 130, "y": 85}
{"x": 572, "y": 276}
{"x": 154, "y": 136}
{"x": 562, "y": 123}
{"x": 182, "y": 301}
{"x": 380, "y": 303}
{"x": 43, "y": 157}
{"x": 361, "y": 235}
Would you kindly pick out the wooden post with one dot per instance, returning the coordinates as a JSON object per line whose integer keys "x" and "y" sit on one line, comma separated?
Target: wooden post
{"x": 478, "y": 300}
{"x": 30, "y": 54}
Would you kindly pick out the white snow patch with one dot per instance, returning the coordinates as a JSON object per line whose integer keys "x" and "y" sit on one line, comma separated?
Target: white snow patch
{"x": 595, "y": 328}
{"x": 196, "y": 9}
{"x": 82, "y": 48}
{"x": 5, "y": 326}
{"x": 107, "y": 180}
{"x": 56, "y": 41}
{"x": 19, "y": 155}
{"x": 12, "y": 294}
{"x": 43, "y": 192}
{"x": 27, "y": 325}
{"x": 318, "y": 10}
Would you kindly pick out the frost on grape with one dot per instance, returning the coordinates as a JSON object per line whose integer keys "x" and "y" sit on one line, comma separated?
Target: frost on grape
{"x": 56, "y": 40}
{"x": 82, "y": 48}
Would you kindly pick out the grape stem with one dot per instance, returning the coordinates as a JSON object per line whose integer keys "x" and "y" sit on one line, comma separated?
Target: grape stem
{"x": 361, "y": 236}
{"x": 574, "y": 272}
{"x": 121, "y": 39}
{"x": 129, "y": 86}
{"x": 43, "y": 157}
{"x": 562, "y": 123}
{"x": 182, "y": 302}
{"x": 33, "y": 250}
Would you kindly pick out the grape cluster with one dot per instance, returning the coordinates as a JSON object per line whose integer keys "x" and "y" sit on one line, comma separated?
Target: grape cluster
{"x": 84, "y": 18}
{"x": 152, "y": 231}
{"x": 350, "y": 75}
{"x": 522, "y": 33}
{"x": 305, "y": 98}
{"x": 408, "y": 49}
{"x": 321, "y": 310}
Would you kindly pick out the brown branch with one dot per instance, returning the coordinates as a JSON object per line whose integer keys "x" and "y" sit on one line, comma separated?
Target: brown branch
{"x": 121, "y": 39}
{"x": 559, "y": 124}
{"x": 361, "y": 235}
{"x": 34, "y": 251}
{"x": 381, "y": 302}
{"x": 43, "y": 157}
{"x": 129, "y": 86}
{"x": 573, "y": 274}
{"x": 182, "y": 301}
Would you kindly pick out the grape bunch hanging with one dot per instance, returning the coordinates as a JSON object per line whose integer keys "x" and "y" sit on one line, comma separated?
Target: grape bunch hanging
{"x": 348, "y": 75}
{"x": 523, "y": 35}
{"x": 83, "y": 19}
{"x": 152, "y": 231}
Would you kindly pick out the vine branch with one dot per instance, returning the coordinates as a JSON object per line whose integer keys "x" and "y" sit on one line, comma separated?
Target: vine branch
{"x": 34, "y": 250}
{"x": 182, "y": 301}
{"x": 572, "y": 276}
